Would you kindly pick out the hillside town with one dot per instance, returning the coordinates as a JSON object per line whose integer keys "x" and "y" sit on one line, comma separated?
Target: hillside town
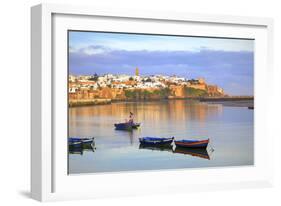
{"x": 96, "y": 89}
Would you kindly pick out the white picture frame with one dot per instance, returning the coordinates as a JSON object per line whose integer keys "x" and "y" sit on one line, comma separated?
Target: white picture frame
{"x": 49, "y": 178}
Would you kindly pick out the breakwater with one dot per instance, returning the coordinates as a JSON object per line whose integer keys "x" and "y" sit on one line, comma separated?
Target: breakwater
{"x": 229, "y": 98}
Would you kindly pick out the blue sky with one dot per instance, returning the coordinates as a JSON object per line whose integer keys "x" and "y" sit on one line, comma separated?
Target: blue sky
{"x": 225, "y": 62}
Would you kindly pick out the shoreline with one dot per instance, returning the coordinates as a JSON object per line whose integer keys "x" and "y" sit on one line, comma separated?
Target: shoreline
{"x": 226, "y": 101}
{"x": 241, "y": 101}
{"x": 88, "y": 102}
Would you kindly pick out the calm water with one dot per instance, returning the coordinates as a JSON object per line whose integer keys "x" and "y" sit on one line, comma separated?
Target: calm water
{"x": 230, "y": 130}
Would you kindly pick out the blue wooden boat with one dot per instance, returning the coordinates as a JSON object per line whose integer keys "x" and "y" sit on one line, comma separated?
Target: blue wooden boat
{"x": 79, "y": 141}
{"x": 192, "y": 143}
{"x": 156, "y": 141}
{"x": 126, "y": 126}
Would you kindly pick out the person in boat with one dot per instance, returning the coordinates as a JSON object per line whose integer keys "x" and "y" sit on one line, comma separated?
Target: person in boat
{"x": 131, "y": 118}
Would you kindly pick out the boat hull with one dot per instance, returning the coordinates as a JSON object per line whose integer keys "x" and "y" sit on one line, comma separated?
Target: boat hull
{"x": 78, "y": 142}
{"x": 136, "y": 125}
{"x": 156, "y": 141}
{"x": 126, "y": 126}
{"x": 192, "y": 143}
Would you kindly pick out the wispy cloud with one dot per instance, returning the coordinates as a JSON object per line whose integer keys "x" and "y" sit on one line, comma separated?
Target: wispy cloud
{"x": 135, "y": 42}
{"x": 226, "y": 62}
{"x": 225, "y": 68}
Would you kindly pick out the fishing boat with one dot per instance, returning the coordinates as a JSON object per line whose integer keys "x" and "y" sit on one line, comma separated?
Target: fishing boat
{"x": 126, "y": 126}
{"x": 196, "y": 152}
{"x": 79, "y": 141}
{"x": 192, "y": 143}
{"x": 156, "y": 141}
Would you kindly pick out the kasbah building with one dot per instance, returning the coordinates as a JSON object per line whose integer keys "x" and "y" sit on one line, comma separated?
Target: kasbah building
{"x": 113, "y": 86}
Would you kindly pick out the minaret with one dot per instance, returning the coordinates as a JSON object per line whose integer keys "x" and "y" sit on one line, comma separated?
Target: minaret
{"x": 201, "y": 80}
{"x": 137, "y": 72}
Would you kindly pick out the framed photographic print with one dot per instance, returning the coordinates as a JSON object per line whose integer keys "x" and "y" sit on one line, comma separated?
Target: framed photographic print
{"x": 137, "y": 102}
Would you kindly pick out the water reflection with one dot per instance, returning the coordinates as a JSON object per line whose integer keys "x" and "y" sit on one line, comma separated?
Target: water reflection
{"x": 167, "y": 148}
{"x": 196, "y": 152}
{"x": 158, "y": 117}
{"x": 229, "y": 128}
{"x": 180, "y": 110}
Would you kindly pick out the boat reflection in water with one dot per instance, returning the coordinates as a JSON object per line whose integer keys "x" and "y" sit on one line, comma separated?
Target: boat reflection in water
{"x": 195, "y": 152}
{"x": 167, "y": 148}
{"x": 79, "y": 149}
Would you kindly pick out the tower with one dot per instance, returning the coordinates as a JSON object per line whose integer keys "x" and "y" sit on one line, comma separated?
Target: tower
{"x": 137, "y": 72}
{"x": 201, "y": 80}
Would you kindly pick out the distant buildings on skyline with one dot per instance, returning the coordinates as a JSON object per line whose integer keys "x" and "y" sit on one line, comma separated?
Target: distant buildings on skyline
{"x": 138, "y": 82}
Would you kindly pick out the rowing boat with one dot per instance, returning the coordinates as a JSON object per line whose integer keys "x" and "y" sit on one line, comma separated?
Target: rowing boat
{"x": 78, "y": 141}
{"x": 126, "y": 126}
{"x": 156, "y": 141}
{"x": 192, "y": 143}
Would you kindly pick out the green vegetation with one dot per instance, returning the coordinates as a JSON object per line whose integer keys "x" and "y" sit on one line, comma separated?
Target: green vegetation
{"x": 192, "y": 92}
{"x": 131, "y": 94}
{"x": 138, "y": 94}
{"x": 162, "y": 92}
{"x": 75, "y": 103}
{"x": 146, "y": 94}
